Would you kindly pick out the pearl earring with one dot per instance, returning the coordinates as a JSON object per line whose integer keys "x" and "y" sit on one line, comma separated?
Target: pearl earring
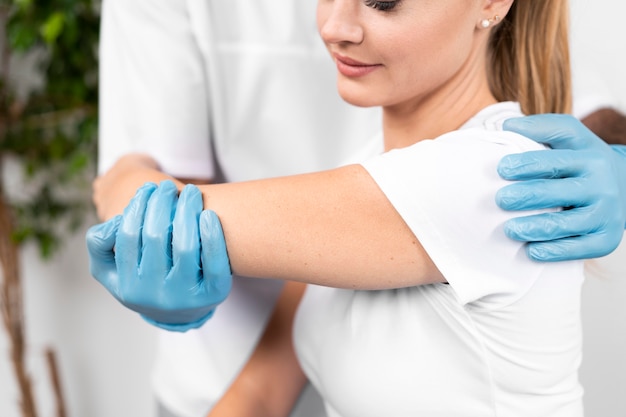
{"x": 485, "y": 23}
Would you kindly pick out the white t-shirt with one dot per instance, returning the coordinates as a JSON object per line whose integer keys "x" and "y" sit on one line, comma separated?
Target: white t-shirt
{"x": 249, "y": 84}
{"x": 502, "y": 339}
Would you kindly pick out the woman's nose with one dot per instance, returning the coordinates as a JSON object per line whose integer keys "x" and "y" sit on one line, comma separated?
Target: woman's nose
{"x": 339, "y": 21}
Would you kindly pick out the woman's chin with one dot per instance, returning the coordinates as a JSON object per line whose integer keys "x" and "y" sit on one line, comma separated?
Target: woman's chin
{"x": 359, "y": 100}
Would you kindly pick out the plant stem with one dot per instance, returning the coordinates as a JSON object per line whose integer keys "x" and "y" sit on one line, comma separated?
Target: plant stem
{"x": 11, "y": 296}
{"x": 53, "y": 370}
{"x": 11, "y": 300}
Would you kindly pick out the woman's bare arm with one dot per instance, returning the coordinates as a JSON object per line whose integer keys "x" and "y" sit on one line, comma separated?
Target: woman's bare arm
{"x": 272, "y": 380}
{"x": 331, "y": 228}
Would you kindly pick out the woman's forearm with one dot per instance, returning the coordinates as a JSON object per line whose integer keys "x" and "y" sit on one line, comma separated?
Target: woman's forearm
{"x": 331, "y": 228}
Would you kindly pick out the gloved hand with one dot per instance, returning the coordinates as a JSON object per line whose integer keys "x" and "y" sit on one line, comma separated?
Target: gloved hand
{"x": 582, "y": 174}
{"x": 153, "y": 260}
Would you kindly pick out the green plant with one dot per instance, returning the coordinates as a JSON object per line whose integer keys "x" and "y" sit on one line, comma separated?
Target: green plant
{"x": 48, "y": 128}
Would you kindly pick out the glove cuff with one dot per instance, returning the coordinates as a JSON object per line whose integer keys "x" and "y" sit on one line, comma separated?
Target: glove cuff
{"x": 179, "y": 327}
{"x": 620, "y": 149}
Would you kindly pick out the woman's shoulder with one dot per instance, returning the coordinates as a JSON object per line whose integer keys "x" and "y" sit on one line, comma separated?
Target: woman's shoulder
{"x": 493, "y": 116}
{"x": 486, "y": 129}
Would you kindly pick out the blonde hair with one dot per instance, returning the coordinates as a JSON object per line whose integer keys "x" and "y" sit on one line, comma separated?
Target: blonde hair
{"x": 529, "y": 57}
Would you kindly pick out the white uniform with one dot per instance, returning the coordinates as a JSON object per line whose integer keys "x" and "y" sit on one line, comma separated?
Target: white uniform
{"x": 502, "y": 339}
{"x": 247, "y": 84}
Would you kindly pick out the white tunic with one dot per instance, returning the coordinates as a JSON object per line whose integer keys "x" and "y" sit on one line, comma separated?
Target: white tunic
{"x": 245, "y": 83}
{"x": 502, "y": 339}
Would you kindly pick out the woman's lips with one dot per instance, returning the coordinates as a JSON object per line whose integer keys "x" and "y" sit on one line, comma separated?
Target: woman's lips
{"x": 351, "y": 68}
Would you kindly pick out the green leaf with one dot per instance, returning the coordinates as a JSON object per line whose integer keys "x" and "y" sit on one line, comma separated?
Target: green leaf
{"x": 21, "y": 37}
{"x": 23, "y": 4}
{"x": 53, "y": 136}
{"x": 52, "y": 27}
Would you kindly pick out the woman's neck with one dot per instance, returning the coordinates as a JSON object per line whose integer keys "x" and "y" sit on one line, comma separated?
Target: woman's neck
{"x": 439, "y": 112}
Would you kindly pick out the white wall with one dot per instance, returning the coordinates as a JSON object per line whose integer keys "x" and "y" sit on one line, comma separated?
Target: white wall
{"x": 106, "y": 351}
{"x": 599, "y": 41}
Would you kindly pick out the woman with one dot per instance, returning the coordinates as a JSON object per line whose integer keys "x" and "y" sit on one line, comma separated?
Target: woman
{"x": 467, "y": 325}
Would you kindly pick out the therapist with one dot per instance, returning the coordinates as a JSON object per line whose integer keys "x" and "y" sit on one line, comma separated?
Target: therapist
{"x": 215, "y": 91}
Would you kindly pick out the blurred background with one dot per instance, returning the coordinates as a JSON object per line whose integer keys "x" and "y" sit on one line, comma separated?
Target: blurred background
{"x": 105, "y": 352}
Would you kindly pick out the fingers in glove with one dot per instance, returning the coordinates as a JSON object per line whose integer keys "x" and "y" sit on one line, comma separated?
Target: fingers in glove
{"x": 129, "y": 242}
{"x": 215, "y": 261}
{"x": 559, "y": 131}
{"x": 156, "y": 259}
{"x": 583, "y": 247}
{"x": 548, "y": 164}
{"x": 563, "y": 224}
{"x": 546, "y": 194}
{"x": 186, "y": 240}
{"x": 100, "y": 244}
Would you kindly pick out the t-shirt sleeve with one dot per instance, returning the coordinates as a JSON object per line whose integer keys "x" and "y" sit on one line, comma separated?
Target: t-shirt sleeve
{"x": 153, "y": 94}
{"x": 445, "y": 189}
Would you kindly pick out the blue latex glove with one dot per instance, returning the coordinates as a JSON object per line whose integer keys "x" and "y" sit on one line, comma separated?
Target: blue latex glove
{"x": 582, "y": 173}
{"x": 160, "y": 268}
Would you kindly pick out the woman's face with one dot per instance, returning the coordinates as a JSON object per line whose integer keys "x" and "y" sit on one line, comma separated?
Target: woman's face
{"x": 394, "y": 52}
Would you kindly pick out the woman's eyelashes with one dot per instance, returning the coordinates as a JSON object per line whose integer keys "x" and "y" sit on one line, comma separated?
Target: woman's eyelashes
{"x": 383, "y": 6}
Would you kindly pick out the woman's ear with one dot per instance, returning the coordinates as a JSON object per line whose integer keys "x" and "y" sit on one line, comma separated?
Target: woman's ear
{"x": 496, "y": 10}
